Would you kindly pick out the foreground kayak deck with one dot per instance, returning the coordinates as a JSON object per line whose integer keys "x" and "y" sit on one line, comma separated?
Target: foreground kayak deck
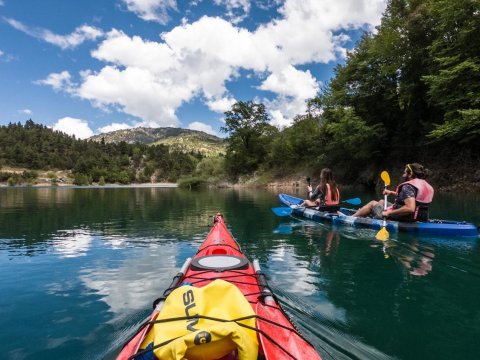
{"x": 266, "y": 330}
{"x": 444, "y": 228}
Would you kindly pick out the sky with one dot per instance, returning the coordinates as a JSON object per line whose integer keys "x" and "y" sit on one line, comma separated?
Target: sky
{"x": 88, "y": 67}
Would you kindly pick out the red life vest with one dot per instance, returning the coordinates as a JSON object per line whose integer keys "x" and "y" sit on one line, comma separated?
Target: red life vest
{"x": 328, "y": 198}
{"x": 423, "y": 198}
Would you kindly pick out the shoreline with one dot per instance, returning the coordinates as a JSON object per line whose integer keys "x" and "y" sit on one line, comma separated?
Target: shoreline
{"x": 464, "y": 186}
{"x": 63, "y": 185}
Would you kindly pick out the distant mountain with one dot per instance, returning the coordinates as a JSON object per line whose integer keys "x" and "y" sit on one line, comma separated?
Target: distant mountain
{"x": 184, "y": 140}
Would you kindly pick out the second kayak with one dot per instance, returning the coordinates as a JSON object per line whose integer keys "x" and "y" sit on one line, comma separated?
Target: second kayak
{"x": 443, "y": 228}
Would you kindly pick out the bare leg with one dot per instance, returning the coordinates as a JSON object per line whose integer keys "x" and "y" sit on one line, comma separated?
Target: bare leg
{"x": 367, "y": 209}
{"x": 308, "y": 203}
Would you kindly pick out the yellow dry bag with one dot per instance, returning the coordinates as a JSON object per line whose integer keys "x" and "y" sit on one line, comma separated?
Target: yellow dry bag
{"x": 202, "y": 339}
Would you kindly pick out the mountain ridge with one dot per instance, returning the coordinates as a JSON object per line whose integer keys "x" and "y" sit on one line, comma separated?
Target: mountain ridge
{"x": 184, "y": 140}
{"x": 146, "y": 135}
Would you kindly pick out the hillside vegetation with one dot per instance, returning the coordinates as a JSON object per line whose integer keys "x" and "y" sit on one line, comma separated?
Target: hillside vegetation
{"x": 36, "y": 147}
{"x": 183, "y": 140}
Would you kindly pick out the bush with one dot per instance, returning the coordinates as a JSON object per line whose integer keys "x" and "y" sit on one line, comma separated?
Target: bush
{"x": 81, "y": 179}
{"x": 30, "y": 175}
{"x": 4, "y": 176}
{"x": 211, "y": 168}
{"x": 191, "y": 182}
{"x": 14, "y": 179}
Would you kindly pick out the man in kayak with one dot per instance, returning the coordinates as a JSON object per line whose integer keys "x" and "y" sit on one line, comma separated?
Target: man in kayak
{"x": 412, "y": 198}
{"x": 326, "y": 193}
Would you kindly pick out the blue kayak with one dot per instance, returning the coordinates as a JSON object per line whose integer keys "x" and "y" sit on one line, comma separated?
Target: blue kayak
{"x": 444, "y": 228}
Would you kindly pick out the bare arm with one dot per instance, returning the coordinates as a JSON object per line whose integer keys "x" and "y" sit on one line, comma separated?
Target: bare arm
{"x": 407, "y": 209}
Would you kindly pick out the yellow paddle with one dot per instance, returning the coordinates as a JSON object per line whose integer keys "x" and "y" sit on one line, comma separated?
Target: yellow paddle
{"x": 383, "y": 234}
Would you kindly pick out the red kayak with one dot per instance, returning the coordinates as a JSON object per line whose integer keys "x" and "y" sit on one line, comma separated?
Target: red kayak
{"x": 218, "y": 306}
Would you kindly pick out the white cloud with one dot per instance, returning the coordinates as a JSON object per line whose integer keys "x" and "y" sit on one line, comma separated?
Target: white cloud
{"x": 196, "y": 125}
{"x": 70, "y": 41}
{"x": 73, "y": 126}
{"x": 237, "y": 10}
{"x": 58, "y": 81}
{"x": 283, "y": 109}
{"x": 221, "y": 105}
{"x": 1, "y": 3}
{"x": 137, "y": 92}
{"x": 114, "y": 127}
{"x": 25, "y": 111}
{"x": 152, "y": 79}
{"x": 291, "y": 82}
{"x": 152, "y": 10}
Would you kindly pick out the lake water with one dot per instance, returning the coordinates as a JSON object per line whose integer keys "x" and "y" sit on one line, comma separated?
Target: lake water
{"x": 80, "y": 267}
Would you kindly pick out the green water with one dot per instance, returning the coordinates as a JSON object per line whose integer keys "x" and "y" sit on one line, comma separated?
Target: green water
{"x": 79, "y": 269}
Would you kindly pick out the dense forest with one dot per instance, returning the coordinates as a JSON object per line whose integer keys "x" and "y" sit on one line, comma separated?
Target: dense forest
{"x": 409, "y": 92}
{"x": 36, "y": 147}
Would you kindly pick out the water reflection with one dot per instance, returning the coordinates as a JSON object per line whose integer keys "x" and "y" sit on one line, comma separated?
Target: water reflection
{"x": 414, "y": 258}
{"x": 132, "y": 284}
{"x": 72, "y": 243}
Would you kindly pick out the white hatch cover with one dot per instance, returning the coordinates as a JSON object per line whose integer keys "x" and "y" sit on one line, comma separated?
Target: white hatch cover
{"x": 220, "y": 262}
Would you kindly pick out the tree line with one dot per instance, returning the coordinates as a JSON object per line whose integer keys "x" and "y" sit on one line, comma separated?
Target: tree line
{"x": 37, "y": 147}
{"x": 410, "y": 91}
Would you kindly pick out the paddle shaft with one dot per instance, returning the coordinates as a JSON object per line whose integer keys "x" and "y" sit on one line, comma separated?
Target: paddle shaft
{"x": 385, "y": 204}
{"x": 383, "y": 234}
{"x": 385, "y": 197}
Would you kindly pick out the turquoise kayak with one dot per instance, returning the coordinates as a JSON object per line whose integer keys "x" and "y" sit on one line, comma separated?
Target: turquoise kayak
{"x": 443, "y": 228}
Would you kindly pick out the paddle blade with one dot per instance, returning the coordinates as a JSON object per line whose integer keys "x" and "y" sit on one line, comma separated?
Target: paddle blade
{"x": 282, "y": 211}
{"x": 383, "y": 234}
{"x": 385, "y": 177}
{"x": 354, "y": 201}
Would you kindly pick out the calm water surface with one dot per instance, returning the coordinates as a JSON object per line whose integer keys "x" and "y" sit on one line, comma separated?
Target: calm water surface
{"x": 79, "y": 269}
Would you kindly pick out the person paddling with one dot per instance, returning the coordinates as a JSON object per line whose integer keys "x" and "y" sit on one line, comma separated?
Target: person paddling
{"x": 326, "y": 193}
{"x": 412, "y": 198}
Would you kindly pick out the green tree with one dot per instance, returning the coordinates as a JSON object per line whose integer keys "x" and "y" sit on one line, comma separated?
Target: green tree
{"x": 454, "y": 85}
{"x": 249, "y": 137}
{"x": 348, "y": 134}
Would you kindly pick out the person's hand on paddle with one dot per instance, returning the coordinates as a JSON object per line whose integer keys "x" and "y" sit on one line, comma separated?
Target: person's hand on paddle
{"x": 309, "y": 188}
{"x": 387, "y": 212}
{"x": 388, "y": 192}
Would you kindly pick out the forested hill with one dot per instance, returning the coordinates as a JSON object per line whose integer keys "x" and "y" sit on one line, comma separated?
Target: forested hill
{"x": 37, "y": 147}
{"x": 184, "y": 140}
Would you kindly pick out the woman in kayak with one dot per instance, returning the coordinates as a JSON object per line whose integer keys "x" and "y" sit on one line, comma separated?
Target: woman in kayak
{"x": 326, "y": 193}
{"x": 412, "y": 198}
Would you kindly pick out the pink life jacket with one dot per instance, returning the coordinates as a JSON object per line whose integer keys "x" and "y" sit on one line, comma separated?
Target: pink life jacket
{"x": 328, "y": 198}
{"x": 423, "y": 198}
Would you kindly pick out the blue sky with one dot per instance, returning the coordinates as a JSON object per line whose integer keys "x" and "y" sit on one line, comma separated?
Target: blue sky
{"x": 86, "y": 67}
